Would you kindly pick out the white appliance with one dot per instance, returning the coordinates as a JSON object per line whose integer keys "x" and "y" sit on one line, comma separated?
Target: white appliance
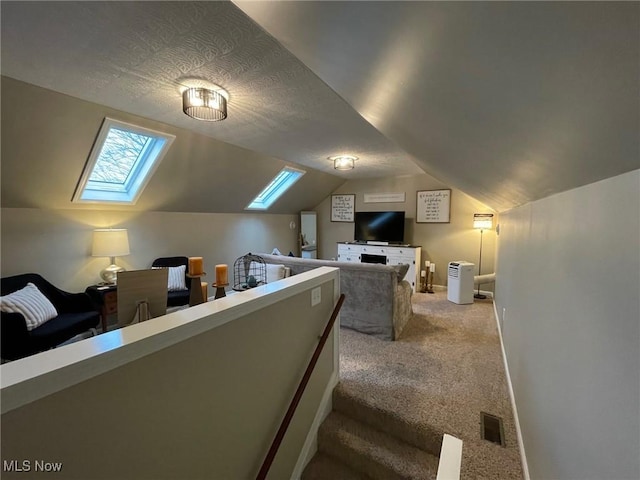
{"x": 460, "y": 282}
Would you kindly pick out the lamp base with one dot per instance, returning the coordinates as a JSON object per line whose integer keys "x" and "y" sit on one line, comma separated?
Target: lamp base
{"x": 480, "y": 296}
{"x": 110, "y": 274}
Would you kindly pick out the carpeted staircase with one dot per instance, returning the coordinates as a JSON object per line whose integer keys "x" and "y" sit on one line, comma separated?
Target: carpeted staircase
{"x": 359, "y": 440}
{"x": 395, "y": 400}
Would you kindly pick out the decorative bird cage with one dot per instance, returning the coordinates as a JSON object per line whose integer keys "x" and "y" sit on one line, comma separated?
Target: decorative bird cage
{"x": 249, "y": 271}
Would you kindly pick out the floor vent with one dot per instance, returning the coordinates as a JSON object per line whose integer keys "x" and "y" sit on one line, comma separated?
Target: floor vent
{"x": 491, "y": 428}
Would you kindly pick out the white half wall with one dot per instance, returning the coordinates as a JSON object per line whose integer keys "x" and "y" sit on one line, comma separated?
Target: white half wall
{"x": 198, "y": 393}
{"x": 568, "y": 279}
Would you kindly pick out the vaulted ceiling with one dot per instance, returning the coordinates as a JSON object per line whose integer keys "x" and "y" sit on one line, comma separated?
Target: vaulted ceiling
{"x": 508, "y": 101}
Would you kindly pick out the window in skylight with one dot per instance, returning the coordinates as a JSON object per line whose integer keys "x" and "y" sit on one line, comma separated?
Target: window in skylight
{"x": 280, "y": 184}
{"x": 121, "y": 163}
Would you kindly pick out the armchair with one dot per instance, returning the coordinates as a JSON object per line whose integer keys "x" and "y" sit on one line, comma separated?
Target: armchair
{"x": 176, "y": 298}
{"x": 76, "y": 314}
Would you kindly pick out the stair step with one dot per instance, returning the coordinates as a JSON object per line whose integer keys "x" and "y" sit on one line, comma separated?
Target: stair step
{"x": 324, "y": 467}
{"x": 419, "y": 435}
{"x": 372, "y": 452}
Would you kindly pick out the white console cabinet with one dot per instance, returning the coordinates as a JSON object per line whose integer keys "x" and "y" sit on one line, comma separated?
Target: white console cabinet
{"x": 384, "y": 254}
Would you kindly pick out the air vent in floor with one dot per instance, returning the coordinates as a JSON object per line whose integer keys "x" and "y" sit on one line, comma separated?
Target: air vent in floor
{"x": 491, "y": 428}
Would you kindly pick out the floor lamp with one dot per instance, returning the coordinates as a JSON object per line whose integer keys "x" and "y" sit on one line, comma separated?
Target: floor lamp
{"x": 481, "y": 221}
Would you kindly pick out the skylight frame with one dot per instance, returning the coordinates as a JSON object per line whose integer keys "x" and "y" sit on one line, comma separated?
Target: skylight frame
{"x": 280, "y": 184}
{"x": 145, "y": 165}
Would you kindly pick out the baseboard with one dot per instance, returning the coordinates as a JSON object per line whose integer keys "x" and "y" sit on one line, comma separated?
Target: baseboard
{"x": 310, "y": 446}
{"x": 486, "y": 293}
{"x": 523, "y": 456}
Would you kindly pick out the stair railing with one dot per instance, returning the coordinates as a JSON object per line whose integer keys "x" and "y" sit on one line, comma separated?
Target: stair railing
{"x": 271, "y": 454}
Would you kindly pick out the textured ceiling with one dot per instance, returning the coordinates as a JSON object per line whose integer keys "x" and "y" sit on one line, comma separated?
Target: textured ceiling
{"x": 136, "y": 56}
{"x": 508, "y": 101}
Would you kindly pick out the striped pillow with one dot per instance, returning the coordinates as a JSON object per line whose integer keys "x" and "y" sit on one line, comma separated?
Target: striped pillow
{"x": 31, "y": 303}
{"x": 176, "y": 277}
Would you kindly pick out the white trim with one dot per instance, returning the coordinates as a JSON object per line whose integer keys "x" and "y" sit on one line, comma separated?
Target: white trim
{"x": 32, "y": 378}
{"x": 310, "y": 446}
{"x": 450, "y": 458}
{"x": 274, "y": 190}
{"x": 523, "y": 455}
{"x": 123, "y": 197}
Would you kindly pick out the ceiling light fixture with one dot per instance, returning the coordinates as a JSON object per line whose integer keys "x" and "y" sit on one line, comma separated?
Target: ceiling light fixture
{"x": 343, "y": 162}
{"x": 205, "y": 104}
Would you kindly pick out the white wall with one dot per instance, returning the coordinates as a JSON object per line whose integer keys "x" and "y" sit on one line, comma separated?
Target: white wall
{"x": 57, "y": 243}
{"x": 567, "y": 293}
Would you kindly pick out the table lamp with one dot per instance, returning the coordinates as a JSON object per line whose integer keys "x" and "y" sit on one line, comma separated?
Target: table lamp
{"x": 112, "y": 243}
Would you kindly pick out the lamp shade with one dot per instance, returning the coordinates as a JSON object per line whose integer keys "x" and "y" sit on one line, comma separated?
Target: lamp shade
{"x": 110, "y": 242}
{"x": 483, "y": 221}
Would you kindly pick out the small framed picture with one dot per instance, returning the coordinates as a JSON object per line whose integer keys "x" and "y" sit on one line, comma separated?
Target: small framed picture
{"x": 343, "y": 207}
{"x": 433, "y": 206}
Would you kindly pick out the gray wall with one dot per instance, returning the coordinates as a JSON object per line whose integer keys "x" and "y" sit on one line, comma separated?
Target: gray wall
{"x": 567, "y": 296}
{"x": 441, "y": 242}
{"x": 57, "y": 243}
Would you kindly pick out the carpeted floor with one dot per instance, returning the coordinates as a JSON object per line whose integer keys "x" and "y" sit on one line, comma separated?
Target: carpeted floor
{"x": 444, "y": 370}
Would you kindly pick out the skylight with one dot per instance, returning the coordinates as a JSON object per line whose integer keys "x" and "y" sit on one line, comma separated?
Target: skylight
{"x": 280, "y": 184}
{"x": 121, "y": 163}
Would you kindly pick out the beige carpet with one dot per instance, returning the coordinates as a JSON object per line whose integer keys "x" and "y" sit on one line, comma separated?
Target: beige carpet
{"x": 436, "y": 378}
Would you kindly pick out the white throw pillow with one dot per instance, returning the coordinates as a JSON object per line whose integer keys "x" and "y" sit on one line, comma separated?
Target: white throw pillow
{"x": 274, "y": 272}
{"x": 176, "y": 277}
{"x": 31, "y": 303}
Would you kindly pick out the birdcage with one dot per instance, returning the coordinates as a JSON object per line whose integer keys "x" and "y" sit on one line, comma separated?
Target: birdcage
{"x": 249, "y": 271}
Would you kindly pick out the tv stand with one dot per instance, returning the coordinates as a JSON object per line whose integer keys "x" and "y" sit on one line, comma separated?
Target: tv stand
{"x": 385, "y": 254}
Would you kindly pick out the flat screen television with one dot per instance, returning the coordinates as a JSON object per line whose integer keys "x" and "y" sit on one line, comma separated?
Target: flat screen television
{"x": 379, "y": 227}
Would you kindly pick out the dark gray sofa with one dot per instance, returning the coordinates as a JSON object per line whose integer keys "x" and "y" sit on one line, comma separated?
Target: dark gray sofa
{"x": 376, "y": 303}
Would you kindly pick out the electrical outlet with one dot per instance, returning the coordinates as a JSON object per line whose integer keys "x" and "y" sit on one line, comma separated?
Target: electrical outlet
{"x": 316, "y": 296}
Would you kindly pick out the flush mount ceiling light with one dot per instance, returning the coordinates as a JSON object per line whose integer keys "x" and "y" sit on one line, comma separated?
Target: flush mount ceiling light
{"x": 205, "y": 104}
{"x": 343, "y": 162}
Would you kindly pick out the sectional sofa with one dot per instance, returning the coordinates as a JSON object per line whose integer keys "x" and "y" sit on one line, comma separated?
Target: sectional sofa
{"x": 376, "y": 301}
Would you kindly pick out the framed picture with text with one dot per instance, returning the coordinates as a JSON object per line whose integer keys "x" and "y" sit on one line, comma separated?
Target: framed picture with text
{"x": 433, "y": 206}
{"x": 343, "y": 207}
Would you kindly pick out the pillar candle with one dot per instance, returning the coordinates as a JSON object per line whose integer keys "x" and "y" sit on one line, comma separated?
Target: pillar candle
{"x": 432, "y": 267}
{"x": 221, "y": 274}
{"x": 427, "y": 263}
{"x": 195, "y": 266}
{"x": 423, "y": 273}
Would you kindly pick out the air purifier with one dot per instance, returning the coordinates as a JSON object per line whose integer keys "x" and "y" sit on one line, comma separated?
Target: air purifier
{"x": 460, "y": 282}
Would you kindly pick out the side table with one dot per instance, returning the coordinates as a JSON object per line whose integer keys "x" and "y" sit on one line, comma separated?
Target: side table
{"x": 107, "y": 297}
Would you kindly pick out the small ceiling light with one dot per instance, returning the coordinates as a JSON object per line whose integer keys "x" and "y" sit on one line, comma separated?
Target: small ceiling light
{"x": 205, "y": 104}
{"x": 343, "y": 162}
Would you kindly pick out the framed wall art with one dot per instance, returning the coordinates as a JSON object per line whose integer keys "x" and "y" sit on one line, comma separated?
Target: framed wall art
{"x": 343, "y": 207}
{"x": 433, "y": 206}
